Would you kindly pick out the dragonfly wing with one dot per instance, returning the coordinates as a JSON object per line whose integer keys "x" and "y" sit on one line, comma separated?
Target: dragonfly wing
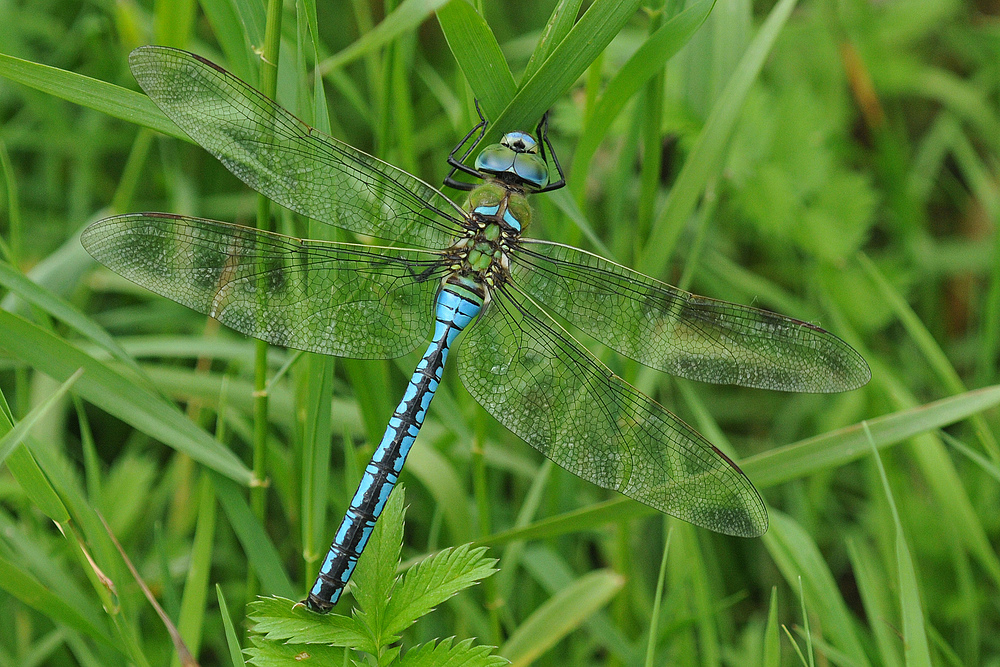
{"x": 291, "y": 163}
{"x": 333, "y": 298}
{"x": 539, "y": 383}
{"x": 681, "y": 333}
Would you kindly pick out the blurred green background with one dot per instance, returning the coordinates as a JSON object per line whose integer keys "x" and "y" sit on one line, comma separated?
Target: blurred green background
{"x": 832, "y": 160}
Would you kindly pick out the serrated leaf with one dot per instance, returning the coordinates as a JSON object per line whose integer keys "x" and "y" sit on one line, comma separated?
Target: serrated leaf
{"x": 281, "y": 619}
{"x": 434, "y": 580}
{"x": 445, "y": 654}
{"x": 265, "y": 653}
{"x": 375, "y": 576}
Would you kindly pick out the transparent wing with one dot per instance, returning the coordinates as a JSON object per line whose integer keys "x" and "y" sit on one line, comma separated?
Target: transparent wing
{"x": 333, "y": 298}
{"x": 529, "y": 374}
{"x": 291, "y": 163}
{"x": 683, "y": 334}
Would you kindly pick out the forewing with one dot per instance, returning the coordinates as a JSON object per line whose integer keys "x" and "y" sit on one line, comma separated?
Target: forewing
{"x": 291, "y": 163}
{"x": 535, "y": 380}
{"x": 333, "y": 298}
{"x": 681, "y": 333}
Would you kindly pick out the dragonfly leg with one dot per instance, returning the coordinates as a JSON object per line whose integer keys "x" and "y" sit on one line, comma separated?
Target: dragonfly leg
{"x": 543, "y": 139}
{"x": 458, "y": 164}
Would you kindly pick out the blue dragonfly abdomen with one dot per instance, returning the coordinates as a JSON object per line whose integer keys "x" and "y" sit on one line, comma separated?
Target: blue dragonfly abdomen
{"x": 458, "y": 303}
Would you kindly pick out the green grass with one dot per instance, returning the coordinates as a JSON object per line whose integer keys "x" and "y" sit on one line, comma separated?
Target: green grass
{"x": 833, "y": 160}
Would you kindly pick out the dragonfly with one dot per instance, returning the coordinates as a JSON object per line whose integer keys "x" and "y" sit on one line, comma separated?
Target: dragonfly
{"x": 442, "y": 268}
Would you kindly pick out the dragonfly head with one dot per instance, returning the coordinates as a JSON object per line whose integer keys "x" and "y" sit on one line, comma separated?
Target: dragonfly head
{"x": 516, "y": 159}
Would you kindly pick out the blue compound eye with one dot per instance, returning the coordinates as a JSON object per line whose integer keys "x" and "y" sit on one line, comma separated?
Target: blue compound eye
{"x": 520, "y": 142}
{"x": 532, "y": 169}
{"x": 496, "y": 159}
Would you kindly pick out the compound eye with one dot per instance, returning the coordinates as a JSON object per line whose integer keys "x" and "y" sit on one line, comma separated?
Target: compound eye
{"x": 520, "y": 142}
{"x": 530, "y": 168}
{"x": 496, "y": 159}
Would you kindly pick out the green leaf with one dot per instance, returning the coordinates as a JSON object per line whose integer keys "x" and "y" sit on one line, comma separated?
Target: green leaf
{"x": 283, "y": 620}
{"x": 654, "y": 617}
{"x": 574, "y": 521}
{"x": 191, "y": 622}
{"x": 102, "y": 96}
{"x": 316, "y": 449}
{"x": 556, "y": 28}
{"x": 649, "y": 59}
{"x": 62, "y": 310}
{"x": 478, "y": 54}
{"x": 836, "y": 448}
{"x": 602, "y": 21}
{"x": 916, "y": 652}
{"x": 928, "y": 346}
{"x": 16, "y": 435}
{"x": 432, "y": 581}
{"x": 117, "y": 394}
{"x": 263, "y": 653}
{"x": 232, "y": 641}
{"x": 22, "y": 465}
{"x": 437, "y": 473}
{"x": 777, "y": 466}
{"x": 375, "y": 575}
{"x": 446, "y": 654}
{"x": 871, "y": 577}
{"x": 236, "y": 33}
{"x": 23, "y": 586}
{"x": 405, "y": 18}
{"x": 796, "y": 555}
{"x": 48, "y": 563}
{"x": 261, "y": 554}
{"x": 772, "y": 634}
{"x": 560, "y": 615}
{"x": 705, "y": 158}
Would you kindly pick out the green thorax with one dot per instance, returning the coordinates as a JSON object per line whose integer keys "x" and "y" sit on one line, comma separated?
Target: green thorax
{"x": 508, "y": 207}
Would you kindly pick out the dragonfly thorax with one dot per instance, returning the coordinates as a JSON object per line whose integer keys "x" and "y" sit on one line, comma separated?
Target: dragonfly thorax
{"x": 497, "y": 216}
{"x": 502, "y": 205}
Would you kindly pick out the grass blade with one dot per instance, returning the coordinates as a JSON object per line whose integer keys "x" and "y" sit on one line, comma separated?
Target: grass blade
{"x": 836, "y": 448}
{"x": 706, "y": 156}
{"x": 915, "y": 649}
{"x": 404, "y": 18}
{"x": 16, "y": 435}
{"x": 101, "y": 96}
{"x": 644, "y": 63}
{"x": 562, "y": 614}
{"x": 478, "y": 54}
{"x": 796, "y": 555}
